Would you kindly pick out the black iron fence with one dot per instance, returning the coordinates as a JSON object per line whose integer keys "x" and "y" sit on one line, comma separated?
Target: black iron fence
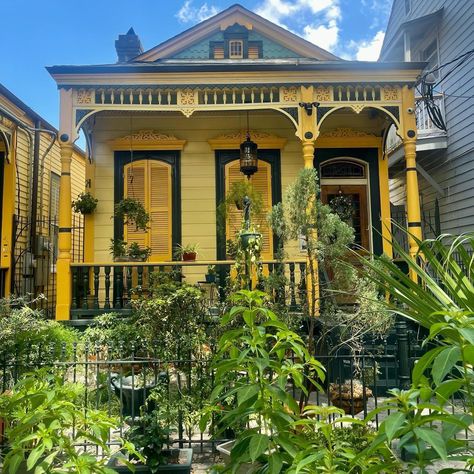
{"x": 34, "y": 262}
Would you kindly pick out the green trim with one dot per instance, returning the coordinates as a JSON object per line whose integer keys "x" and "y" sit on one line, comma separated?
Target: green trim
{"x": 122, "y": 158}
{"x": 370, "y": 156}
{"x": 223, "y": 157}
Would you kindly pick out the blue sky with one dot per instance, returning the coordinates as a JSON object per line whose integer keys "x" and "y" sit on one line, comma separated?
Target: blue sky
{"x": 36, "y": 34}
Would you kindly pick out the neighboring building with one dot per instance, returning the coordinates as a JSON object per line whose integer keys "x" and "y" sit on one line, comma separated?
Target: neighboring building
{"x": 438, "y": 32}
{"x": 30, "y": 169}
{"x": 165, "y": 126}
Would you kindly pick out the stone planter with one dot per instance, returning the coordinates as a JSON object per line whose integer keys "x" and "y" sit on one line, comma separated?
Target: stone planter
{"x": 182, "y": 467}
{"x": 225, "y": 449}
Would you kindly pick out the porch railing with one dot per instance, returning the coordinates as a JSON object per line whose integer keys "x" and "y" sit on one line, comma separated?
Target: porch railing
{"x": 105, "y": 287}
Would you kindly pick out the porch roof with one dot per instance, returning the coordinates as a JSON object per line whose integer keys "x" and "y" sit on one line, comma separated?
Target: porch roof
{"x": 232, "y": 66}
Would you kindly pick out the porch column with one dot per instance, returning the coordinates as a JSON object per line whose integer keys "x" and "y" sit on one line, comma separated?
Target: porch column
{"x": 312, "y": 288}
{"x": 412, "y": 190}
{"x": 413, "y": 195}
{"x": 63, "y": 264}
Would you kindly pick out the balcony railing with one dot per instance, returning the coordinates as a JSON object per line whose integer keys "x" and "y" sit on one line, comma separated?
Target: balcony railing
{"x": 105, "y": 287}
{"x": 425, "y": 126}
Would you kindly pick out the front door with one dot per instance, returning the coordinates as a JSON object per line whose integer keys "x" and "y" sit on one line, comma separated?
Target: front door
{"x": 350, "y": 202}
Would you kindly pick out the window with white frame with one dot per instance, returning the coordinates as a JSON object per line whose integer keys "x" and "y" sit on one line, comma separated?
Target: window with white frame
{"x": 236, "y": 49}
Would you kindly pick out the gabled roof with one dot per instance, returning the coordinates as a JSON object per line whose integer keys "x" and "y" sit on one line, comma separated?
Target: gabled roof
{"x": 235, "y": 14}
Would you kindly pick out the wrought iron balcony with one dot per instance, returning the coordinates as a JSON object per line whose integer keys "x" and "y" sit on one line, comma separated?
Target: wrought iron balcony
{"x": 429, "y": 136}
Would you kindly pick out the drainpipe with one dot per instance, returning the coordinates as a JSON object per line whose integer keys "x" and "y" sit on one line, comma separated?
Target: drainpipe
{"x": 34, "y": 189}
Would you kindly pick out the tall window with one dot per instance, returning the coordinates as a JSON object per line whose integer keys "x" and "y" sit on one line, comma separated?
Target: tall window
{"x": 149, "y": 181}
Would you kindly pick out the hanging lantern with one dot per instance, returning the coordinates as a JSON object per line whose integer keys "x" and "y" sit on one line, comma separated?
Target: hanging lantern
{"x": 248, "y": 155}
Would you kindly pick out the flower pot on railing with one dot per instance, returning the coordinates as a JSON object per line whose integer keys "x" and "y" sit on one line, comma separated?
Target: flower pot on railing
{"x": 247, "y": 238}
{"x": 189, "y": 256}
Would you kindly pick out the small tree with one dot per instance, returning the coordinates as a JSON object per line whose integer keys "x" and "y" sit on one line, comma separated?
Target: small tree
{"x": 327, "y": 237}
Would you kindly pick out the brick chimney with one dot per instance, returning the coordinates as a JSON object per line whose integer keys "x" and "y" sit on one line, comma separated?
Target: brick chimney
{"x": 128, "y": 46}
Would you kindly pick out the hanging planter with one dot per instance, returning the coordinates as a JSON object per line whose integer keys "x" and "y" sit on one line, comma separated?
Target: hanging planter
{"x": 248, "y": 238}
{"x": 85, "y": 203}
{"x": 131, "y": 211}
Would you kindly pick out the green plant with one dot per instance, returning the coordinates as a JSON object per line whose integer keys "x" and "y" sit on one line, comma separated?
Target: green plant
{"x": 137, "y": 253}
{"x": 118, "y": 334}
{"x": 85, "y": 203}
{"x": 439, "y": 295}
{"x": 234, "y": 200}
{"x": 132, "y": 211}
{"x": 45, "y": 424}
{"x": 327, "y": 237}
{"x": 181, "y": 250}
{"x": 173, "y": 315}
{"x": 253, "y": 364}
{"x": 118, "y": 248}
{"x": 28, "y": 337}
{"x": 323, "y": 445}
{"x": 211, "y": 269}
{"x": 148, "y": 435}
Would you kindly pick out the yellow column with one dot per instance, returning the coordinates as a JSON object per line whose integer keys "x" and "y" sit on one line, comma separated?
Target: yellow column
{"x": 412, "y": 190}
{"x": 308, "y": 153}
{"x": 63, "y": 265}
{"x": 9, "y": 193}
{"x": 89, "y": 230}
{"x": 385, "y": 204}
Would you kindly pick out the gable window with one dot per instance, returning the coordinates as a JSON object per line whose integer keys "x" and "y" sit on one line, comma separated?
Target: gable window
{"x": 236, "y": 49}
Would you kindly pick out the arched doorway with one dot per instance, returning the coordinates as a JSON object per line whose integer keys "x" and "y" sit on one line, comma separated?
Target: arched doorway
{"x": 344, "y": 187}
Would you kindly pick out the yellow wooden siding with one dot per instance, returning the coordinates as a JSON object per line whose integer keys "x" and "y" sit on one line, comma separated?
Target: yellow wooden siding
{"x": 149, "y": 182}
{"x": 262, "y": 183}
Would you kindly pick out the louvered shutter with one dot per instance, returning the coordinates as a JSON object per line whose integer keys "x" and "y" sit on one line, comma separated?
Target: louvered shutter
{"x": 160, "y": 211}
{"x": 262, "y": 182}
{"x": 149, "y": 181}
{"x": 134, "y": 187}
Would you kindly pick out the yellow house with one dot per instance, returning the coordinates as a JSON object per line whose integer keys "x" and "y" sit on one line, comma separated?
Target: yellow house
{"x": 164, "y": 126}
{"x": 30, "y": 176}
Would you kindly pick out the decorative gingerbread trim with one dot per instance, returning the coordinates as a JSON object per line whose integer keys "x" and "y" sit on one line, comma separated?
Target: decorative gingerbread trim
{"x": 85, "y": 96}
{"x": 323, "y": 94}
{"x": 232, "y": 140}
{"x": 147, "y": 140}
{"x": 390, "y": 93}
{"x": 344, "y": 132}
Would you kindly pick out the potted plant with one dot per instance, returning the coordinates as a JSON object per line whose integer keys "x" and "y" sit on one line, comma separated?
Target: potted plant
{"x": 186, "y": 253}
{"x": 118, "y": 249}
{"x": 85, "y": 203}
{"x": 250, "y": 238}
{"x": 234, "y": 199}
{"x": 137, "y": 253}
{"x": 132, "y": 211}
{"x": 211, "y": 274}
{"x": 149, "y": 434}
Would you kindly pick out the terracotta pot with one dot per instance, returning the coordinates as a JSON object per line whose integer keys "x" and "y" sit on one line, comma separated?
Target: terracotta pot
{"x": 189, "y": 256}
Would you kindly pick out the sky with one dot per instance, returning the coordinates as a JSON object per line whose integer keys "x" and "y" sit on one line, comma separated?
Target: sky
{"x": 53, "y": 32}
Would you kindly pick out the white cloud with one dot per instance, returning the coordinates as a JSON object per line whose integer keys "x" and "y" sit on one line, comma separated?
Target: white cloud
{"x": 322, "y": 30}
{"x": 368, "y": 50}
{"x": 188, "y": 13}
{"x": 275, "y": 10}
{"x": 325, "y": 36}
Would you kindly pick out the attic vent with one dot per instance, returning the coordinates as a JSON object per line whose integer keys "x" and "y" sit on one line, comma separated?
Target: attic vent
{"x": 253, "y": 52}
{"x": 218, "y": 52}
